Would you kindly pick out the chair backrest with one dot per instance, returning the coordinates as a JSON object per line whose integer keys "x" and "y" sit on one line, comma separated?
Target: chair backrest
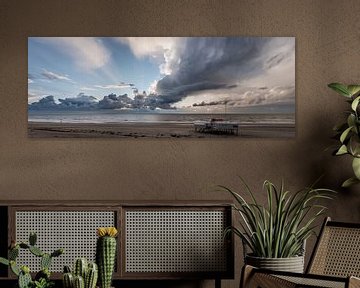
{"x": 337, "y": 251}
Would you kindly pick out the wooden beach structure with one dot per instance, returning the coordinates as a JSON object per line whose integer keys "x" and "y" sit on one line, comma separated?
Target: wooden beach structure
{"x": 217, "y": 126}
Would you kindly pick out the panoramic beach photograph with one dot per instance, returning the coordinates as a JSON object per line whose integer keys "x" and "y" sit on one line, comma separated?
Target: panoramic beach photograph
{"x": 161, "y": 87}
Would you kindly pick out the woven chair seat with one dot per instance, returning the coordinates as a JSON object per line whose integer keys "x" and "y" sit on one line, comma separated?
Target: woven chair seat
{"x": 335, "y": 262}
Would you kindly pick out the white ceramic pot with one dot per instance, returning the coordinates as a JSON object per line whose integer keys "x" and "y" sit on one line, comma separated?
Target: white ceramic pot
{"x": 291, "y": 264}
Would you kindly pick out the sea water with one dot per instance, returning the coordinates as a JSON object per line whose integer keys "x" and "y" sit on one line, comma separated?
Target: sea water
{"x": 118, "y": 116}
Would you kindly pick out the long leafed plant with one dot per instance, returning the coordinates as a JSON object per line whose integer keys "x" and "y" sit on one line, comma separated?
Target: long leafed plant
{"x": 279, "y": 229}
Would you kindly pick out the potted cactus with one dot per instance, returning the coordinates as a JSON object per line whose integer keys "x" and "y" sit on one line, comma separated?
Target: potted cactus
{"x": 85, "y": 275}
{"x": 106, "y": 254}
{"x": 42, "y": 278}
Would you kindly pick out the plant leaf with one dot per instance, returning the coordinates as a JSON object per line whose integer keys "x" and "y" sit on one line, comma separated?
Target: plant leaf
{"x": 345, "y": 134}
{"x": 340, "y": 88}
{"x": 356, "y": 167}
{"x": 342, "y": 150}
{"x": 353, "y": 89}
{"x": 355, "y": 103}
{"x": 349, "y": 182}
{"x": 351, "y": 120}
{"x": 4, "y": 261}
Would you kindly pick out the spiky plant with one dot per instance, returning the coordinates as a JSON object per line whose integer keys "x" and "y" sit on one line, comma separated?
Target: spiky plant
{"x": 42, "y": 278}
{"x": 279, "y": 229}
{"x": 85, "y": 274}
{"x": 106, "y": 254}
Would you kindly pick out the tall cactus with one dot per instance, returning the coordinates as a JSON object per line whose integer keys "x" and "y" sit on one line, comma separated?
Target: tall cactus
{"x": 106, "y": 254}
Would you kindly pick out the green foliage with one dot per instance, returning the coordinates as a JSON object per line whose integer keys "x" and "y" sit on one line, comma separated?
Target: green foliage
{"x": 349, "y": 131}
{"x": 279, "y": 229}
{"x": 42, "y": 283}
{"x": 4, "y": 261}
{"x": 45, "y": 261}
{"x": 42, "y": 278}
{"x": 24, "y": 279}
{"x": 36, "y": 251}
{"x": 32, "y": 238}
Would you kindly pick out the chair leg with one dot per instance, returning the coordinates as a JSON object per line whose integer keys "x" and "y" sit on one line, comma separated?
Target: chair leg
{"x": 251, "y": 279}
{"x": 246, "y": 274}
{"x": 354, "y": 282}
{"x": 217, "y": 283}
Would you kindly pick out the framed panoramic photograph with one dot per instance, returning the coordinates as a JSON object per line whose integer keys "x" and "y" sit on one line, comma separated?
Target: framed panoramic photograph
{"x": 161, "y": 87}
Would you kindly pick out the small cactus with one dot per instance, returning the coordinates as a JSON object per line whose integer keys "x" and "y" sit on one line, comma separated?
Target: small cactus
{"x": 24, "y": 278}
{"x": 68, "y": 280}
{"x": 89, "y": 272}
{"x": 4, "y": 261}
{"x": 13, "y": 253}
{"x": 80, "y": 268}
{"x": 91, "y": 276}
{"x": 45, "y": 261}
{"x": 106, "y": 254}
{"x": 36, "y": 251}
{"x": 57, "y": 252}
{"x": 44, "y": 273}
{"x": 14, "y": 268}
{"x": 79, "y": 282}
{"x": 32, "y": 238}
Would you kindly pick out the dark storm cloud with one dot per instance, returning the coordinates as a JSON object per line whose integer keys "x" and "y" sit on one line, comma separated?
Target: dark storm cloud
{"x": 212, "y": 103}
{"x": 113, "y": 102}
{"x": 80, "y": 101}
{"x": 176, "y": 93}
{"x": 45, "y": 103}
{"x": 210, "y": 64}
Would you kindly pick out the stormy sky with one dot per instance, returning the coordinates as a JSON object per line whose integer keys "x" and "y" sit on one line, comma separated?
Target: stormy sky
{"x": 186, "y": 73}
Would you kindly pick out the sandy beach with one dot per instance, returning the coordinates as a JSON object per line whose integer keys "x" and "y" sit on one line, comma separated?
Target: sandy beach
{"x": 150, "y": 130}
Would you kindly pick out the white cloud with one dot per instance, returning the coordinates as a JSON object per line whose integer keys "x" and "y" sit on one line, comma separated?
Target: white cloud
{"x": 148, "y": 46}
{"x": 115, "y": 86}
{"x": 164, "y": 50}
{"x": 54, "y": 76}
{"x": 152, "y": 88}
{"x": 34, "y": 96}
{"x": 30, "y": 81}
{"x": 88, "y": 53}
{"x": 88, "y": 89}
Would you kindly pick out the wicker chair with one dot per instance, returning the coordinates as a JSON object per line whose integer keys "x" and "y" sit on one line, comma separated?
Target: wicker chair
{"x": 334, "y": 263}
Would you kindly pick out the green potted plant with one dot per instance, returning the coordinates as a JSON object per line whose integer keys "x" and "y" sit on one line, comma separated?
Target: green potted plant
{"x": 275, "y": 233}
{"x": 349, "y": 131}
{"x": 42, "y": 278}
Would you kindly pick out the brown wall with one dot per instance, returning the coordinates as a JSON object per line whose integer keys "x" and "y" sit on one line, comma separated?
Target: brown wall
{"x": 327, "y": 50}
